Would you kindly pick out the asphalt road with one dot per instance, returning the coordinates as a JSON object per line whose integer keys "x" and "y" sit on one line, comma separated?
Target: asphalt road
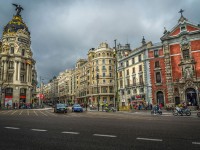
{"x": 45, "y": 130}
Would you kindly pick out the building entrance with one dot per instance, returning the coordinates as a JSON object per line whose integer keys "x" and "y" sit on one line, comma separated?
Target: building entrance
{"x": 191, "y": 97}
{"x": 160, "y": 98}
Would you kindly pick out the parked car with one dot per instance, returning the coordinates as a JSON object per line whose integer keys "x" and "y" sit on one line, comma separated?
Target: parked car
{"x": 77, "y": 108}
{"x": 60, "y": 108}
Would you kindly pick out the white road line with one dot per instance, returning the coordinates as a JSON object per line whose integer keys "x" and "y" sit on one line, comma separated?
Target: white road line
{"x": 198, "y": 143}
{"x": 50, "y": 113}
{"x": 70, "y": 132}
{"x": 13, "y": 112}
{"x": 20, "y": 112}
{"x": 148, "y": 139}
{"x": 35, "y": 113}
{"x": 28, "y": 112}
{"x": 7, "y": 112}
{"x": 104, "y": 135}
{"x": 14, "y": 128}
{"x": 43, "y": 113}
{"x": 39, "y": 130}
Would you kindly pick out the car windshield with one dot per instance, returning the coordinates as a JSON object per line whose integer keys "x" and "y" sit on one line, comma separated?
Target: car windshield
{"x": 61, "y": 105}
{"x": 77, "y": 105}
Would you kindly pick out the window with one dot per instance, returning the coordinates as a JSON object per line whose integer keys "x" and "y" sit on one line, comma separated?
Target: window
{"x": 141, "y": 90}
{"x": 134, "y": 91}
{"x": 111, "y": 89}
{"x": 127, "y": 64}
{"x": 128, "y": 82}
{"x": 110, "y": 81}
{"x": 23, "y": 52}
{"x": 134, "y": 81}
{"x": 183, "y": 28}
{"x": 103, "y": 67}
{"x": 127, "y": 72}
{"x": 141, "y": 79}
{"x": 97, "y": 68}
{"x": 22, "y": 78}
{"x": 110, "y": 67}
{"x": 120, "y": 74}
{"x": 121, "y": 64}
{"x": 129, "y": 92}
{"x": 12, "y": 50}
{"x": 157, "y": 64}
{"x": 133, "y": 60}
{"x": 133, "y": 70}
{"x": 97, "y": 62}
{"x": 104, "y": 81}
{"x": 139, "y": 58}
{"x": 11, "y": 65}
{"x": 110, "y": 61}
{"x": 22, "y": 66}
{"x": 140, "y": 68}
{"x": 186, "y": 54}
{"x": 10, "y": 77}
{"x": 104, "y": 74}
{"x": 158, "y": 77}
{"x": 156, "y": 54}
{"x": 121, "y": 83}
{"x": 110, "y": 74}
{"x": 103, "y": 61}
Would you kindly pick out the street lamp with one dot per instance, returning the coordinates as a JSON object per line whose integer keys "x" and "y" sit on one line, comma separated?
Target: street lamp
{"x": 116, "y": 78}
{"x": 98, "y": 91}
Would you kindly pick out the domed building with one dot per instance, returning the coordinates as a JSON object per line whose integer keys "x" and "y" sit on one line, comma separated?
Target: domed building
{"x": 17, "y": 67}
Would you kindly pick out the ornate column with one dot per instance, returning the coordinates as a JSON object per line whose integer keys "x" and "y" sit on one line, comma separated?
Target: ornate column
{"x": 168, "y": 68}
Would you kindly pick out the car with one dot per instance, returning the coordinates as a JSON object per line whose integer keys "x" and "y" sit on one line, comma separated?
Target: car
{"x": 77, "y": 108}
{"x": 60, "y": 108}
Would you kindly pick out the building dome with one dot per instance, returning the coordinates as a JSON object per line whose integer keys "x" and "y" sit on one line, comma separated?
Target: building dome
{"x": 15, "y": 24}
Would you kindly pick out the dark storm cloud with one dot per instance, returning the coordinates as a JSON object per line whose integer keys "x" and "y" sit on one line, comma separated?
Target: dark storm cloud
{"x": 63, "y": 31}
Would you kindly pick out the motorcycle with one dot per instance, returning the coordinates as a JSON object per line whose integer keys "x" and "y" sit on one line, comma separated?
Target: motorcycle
{"x": 179, "y": 111}
{"x": 159, "y": 111}
{"x": 110, "y": 109}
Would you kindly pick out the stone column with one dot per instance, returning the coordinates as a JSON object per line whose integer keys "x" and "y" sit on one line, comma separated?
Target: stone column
{"x": 27, "y": 73}
{"x": 19, "y": 70}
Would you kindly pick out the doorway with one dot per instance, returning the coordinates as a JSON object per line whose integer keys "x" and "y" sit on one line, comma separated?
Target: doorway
{"x": 191, "y": 97}
{"x": 160, "y": 98}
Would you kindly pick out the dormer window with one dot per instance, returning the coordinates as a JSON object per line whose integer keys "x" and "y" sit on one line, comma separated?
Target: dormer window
{"x": 156, "y": 54}
{"x": 183, "y": 28}
{"x": 12, "y": 50}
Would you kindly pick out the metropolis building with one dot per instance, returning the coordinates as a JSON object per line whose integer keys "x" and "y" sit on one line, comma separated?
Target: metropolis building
{"x": 17, "y": 67}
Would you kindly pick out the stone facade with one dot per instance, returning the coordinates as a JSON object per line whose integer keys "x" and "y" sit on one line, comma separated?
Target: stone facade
{"x": 18, "y": 75}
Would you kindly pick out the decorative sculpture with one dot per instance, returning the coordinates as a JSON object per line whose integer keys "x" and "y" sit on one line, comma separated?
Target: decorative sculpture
{"x": 18, "y": 9}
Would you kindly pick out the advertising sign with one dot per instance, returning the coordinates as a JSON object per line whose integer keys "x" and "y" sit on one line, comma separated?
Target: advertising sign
{"x": 8, "y": 102}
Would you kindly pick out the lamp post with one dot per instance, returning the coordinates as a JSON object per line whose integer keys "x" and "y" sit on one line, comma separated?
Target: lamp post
{"x": 116, "y": 77}
{"x": 98, "y": 91}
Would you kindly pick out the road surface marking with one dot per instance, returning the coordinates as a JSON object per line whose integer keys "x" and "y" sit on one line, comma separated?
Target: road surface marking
{"x": 13, "y": 112}
{"x": 70, "y": 132}
{"x": 147, "y": 139}
{"x": 28, "y": 112}
{"x": 43, "y": 113}
{"x": 104, "y": 135}
{"x": 40, "y": 130}
{"x": 21, "y": 112}
{"x": 35, "y": 113}
{"x": 50, "y": 113}
{"x": 7, "y": 112}
{"x": 14, "y": 128}
{"x": 198, "y": 143}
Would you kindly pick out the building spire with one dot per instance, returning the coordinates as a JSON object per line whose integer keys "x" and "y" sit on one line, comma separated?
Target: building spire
{"x": 182, "y": 18}
{"x": 143, "y": 41}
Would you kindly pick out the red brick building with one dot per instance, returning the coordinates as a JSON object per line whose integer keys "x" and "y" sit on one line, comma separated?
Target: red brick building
{"x": 175, "y": 65}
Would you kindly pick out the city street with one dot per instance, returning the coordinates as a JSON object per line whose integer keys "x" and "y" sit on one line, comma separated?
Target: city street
{"x": 43, "y": 129}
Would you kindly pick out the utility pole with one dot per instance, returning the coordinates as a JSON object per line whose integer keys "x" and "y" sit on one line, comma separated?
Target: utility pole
{"x": 98, "y": 91}
{"x": 116, "y": 77}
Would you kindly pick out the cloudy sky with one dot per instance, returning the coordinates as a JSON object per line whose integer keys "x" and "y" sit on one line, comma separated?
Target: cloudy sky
{"x": 63, "y": 31}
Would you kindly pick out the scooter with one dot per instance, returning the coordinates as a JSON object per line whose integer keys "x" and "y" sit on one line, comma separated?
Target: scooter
{"x": 159, "y": 111}
{"x": 179, "y": 111}
{"x": 110, "y": 109}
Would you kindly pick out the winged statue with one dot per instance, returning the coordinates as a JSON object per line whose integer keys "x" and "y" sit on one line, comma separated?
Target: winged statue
{"x": 18, "y": 9}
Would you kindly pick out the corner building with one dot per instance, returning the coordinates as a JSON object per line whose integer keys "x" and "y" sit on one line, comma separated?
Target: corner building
{"x": 17, "y": 72}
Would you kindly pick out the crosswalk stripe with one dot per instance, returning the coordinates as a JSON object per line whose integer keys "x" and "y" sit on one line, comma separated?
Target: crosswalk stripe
{"x": 28, "y": 112}
{"x": 50, "y": 113}
{"x": 13, "y": 112}
{"x": 35, "y": 113}
{"x": 20, "y": 112}
{"x": 7, "y": 112}
{"x": 43, "y": 113}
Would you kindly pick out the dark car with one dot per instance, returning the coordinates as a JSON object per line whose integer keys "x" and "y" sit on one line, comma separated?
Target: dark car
{"x": 77, "y": 107}
{"x": 60, "y": 108}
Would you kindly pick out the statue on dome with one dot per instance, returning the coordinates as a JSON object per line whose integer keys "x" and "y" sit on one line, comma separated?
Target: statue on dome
{"x": 188, "y": 73}
{"x": 18, "y": 9}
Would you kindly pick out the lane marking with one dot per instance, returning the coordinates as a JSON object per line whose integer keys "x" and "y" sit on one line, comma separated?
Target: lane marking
{"x": 39, "y": 130}
{"x": 14, "y": 128}
{"x": 28, "y": 112}
{"x": 70, "y": 132}
{"x": 7, "y": 112}
{"x": 104, "y": 135}
{"x": 43, "y": 113}
{"x": 20, "y": 112}
{"x": 50, "y": 113}
{"x": 148, "y": 139}
{"x": 198, "y": 143}
{"x": 35, "y": 113}
{"x": 13, "y": 112}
